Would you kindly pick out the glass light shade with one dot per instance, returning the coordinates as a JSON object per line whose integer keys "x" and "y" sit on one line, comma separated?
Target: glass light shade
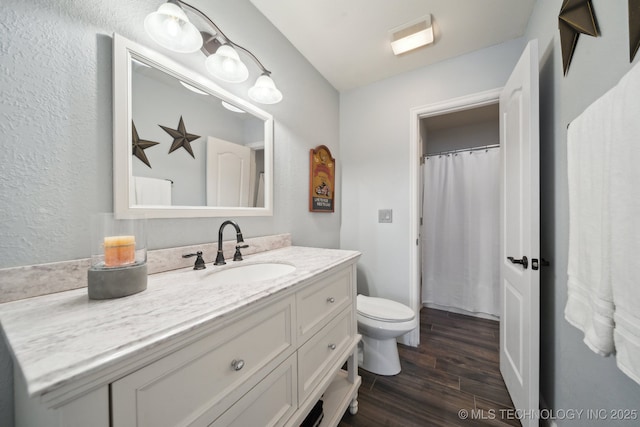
{"x": 193, "y": 89}
{"x": 265, "y": 91}
{"x": 226, "y": 65}
{"x": 232, "y": 107}
{"x": 170, "y": 28}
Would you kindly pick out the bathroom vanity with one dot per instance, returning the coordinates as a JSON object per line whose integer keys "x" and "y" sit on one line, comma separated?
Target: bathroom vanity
{"x": 194, "y": 349}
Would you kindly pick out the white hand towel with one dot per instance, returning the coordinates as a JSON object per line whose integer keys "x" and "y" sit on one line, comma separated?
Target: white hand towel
{"x": 625, "y": 222}
{"x": 590, "y": 303}
{"x": 152, "y": 191}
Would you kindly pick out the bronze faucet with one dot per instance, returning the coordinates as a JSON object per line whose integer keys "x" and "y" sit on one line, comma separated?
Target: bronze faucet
{"x": 237, "y": 256}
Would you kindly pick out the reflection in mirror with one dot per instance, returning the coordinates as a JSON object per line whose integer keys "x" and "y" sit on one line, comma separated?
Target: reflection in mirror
{"x": 185, "y": 147}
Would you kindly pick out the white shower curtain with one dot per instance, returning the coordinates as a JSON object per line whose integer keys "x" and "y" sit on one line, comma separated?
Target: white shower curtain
{"x": 460, "y": 234}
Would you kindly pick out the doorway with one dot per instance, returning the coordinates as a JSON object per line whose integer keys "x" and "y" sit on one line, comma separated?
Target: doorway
{"x": 417, "y": 114}
{"x": 460, "y": 233}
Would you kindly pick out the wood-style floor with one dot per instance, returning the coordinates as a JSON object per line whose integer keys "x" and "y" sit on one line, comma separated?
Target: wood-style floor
{"x": 452, "y": 379}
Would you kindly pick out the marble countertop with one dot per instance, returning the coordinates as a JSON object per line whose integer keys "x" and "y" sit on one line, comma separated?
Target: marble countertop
{"x": 65, "y": 337}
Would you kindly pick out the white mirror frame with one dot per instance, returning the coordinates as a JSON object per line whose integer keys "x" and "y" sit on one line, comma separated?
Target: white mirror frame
{"x": 124, "y": 51}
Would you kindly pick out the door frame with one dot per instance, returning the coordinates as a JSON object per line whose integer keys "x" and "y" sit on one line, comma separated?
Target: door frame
{"x": 453, "y": 105}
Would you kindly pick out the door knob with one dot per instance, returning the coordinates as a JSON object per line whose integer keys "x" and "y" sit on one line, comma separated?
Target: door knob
{"x": 524, "y": 261}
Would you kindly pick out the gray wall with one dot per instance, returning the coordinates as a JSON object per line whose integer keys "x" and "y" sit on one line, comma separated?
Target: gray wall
{"x": 375, "y": 149}
{"x": 56, "y": 131}
{"x": 572, "y": 376}
{"x": 460, "y": 137}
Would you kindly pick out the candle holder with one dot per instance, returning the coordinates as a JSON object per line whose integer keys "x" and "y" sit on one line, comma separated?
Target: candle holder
{"x": 118, "y": 257}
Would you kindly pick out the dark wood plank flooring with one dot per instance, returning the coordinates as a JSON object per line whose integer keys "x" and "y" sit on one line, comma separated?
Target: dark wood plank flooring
{"x": 455, "y": 372}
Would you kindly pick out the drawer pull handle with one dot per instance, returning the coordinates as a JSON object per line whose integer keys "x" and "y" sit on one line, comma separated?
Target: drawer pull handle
{"x": 331, "y": 300}
{"x": 237, "y": 364}
{"x": 332, "y": 346}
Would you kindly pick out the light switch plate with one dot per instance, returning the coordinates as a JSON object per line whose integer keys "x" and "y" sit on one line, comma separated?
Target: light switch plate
{"x": 385, "y": 215}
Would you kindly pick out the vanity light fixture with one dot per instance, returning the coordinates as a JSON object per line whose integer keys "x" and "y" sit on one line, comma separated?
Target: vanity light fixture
{"x": 412, "y": 35}
{"x": 169, "y": 26}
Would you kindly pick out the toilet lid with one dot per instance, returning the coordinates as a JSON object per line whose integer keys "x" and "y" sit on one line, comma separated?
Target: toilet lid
{"x": 383, "y": 309}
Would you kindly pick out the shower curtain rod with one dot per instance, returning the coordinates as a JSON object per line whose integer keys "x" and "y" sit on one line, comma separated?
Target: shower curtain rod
{"x": 461, "y": 150}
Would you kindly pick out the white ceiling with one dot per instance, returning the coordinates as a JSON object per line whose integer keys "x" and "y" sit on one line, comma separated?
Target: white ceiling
{"x": 347, "y": 41}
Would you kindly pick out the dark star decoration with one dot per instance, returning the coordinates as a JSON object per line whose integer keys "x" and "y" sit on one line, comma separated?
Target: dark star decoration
{"x": 139, "y": 145}
{"x": 576, "y": 17}
{"x": 181, "y": 138}
{"x": 634, "y": 28}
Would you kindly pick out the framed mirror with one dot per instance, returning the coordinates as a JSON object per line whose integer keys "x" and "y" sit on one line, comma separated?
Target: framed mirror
{"x": 183, "y": 146}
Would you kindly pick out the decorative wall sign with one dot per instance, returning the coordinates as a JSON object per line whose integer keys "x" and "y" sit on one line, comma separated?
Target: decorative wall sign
{"x": 576, "y": 17}
{"x": 139, "y": 145}
{"x": 634, "y": 28}
{"x": 181, "y": 138}
{"x": 322, "y": 174}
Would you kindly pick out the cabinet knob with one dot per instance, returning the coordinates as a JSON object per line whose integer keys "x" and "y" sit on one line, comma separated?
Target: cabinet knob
{"x": 332, "y": 346}
{"x": 331, "y": 300}
{"x": 237, "y": 364}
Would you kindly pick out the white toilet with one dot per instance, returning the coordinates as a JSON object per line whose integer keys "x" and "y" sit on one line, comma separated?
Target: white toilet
{"x": 380, "y": 322}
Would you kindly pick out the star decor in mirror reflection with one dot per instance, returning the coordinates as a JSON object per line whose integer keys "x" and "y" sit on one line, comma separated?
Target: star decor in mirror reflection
{"x": 181, "y": 138}
{"x": 576, "y": 17}
{"x": 139, "y": 145}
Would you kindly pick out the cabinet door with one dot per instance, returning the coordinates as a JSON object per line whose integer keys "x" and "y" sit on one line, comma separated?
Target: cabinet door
{"x": 196, "y": 384}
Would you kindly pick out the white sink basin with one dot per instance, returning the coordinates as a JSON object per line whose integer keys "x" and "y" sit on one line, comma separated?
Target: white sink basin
{"x": 248, "y": 273}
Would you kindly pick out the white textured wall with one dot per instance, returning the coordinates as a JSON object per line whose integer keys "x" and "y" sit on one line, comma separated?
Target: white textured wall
{"x": 375, "y": 147}
{"x": 56, "y": 131}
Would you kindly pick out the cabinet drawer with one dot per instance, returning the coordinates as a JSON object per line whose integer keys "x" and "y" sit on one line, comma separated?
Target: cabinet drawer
{"x": 321, "y": 301}
{"x": 268, "y": 404}
{"x": 196, "y": 384}
{"x": 316, "y": 357}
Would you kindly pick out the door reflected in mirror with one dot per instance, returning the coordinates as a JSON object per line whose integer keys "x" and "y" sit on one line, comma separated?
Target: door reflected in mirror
{"x": 187, "y": 147}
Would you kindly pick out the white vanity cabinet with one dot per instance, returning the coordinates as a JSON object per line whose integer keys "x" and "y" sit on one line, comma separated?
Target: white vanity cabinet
{"x": 265, "y": 364}
{"x": 198, "y": 383}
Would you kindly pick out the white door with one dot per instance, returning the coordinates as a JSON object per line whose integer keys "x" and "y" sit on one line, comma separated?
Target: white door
{"x": 228, "y": 173}
{"x": 520, "y": 235}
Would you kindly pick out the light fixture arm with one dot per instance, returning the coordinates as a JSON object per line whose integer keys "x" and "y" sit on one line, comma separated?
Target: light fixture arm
{"x": 221, "y": 34}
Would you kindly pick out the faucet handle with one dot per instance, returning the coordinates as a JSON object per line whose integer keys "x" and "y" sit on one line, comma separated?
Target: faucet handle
{"x": 199, "y": 265}
{"x": 238, "y": 256}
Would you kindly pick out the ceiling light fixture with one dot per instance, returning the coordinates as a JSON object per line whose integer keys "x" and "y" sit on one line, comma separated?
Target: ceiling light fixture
{"x": 412, "y": 35}
{"x": 169, "y": 26}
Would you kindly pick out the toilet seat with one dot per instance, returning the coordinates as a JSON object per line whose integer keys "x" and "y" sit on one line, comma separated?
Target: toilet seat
{"x": 383, "y": 310}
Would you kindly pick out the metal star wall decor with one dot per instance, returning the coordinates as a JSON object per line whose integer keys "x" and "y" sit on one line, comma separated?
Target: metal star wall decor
{"x": 139, "y": 145}
{"x": 576, "y": 17}
{"x": 181, "y": 138}
{"x": 634, "y": 28}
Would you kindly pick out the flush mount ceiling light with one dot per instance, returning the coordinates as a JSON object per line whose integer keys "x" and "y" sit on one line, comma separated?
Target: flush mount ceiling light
{"x": 169, "y": 26}
{"x": 412, "y": 35}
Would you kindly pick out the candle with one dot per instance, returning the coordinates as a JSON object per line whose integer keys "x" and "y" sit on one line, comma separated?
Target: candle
{"x": 119, "y": 250}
